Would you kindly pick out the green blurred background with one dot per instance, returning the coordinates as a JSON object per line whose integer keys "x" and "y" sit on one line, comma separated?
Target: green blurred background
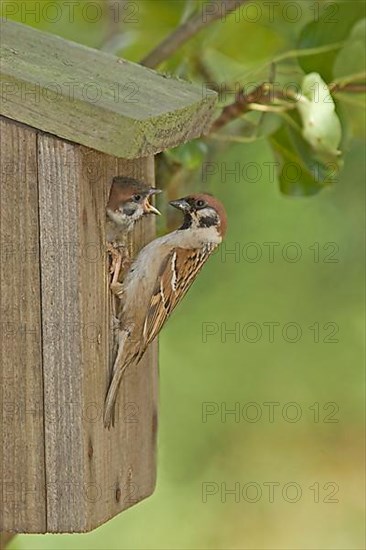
{"x": 322, "y": 372}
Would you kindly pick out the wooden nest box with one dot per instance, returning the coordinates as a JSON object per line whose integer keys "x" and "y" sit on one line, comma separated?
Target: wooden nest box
{"x": 72, "y": 119}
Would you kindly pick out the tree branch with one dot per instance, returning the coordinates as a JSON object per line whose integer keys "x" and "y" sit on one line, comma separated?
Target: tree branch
{"x": 263, "y": 95}
{"x": 240, "y": 106}
{"x": 354, "y": 88}
{"x": 184, "y": 32}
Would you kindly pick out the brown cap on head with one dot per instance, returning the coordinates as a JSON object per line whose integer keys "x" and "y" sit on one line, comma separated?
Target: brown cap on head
{"x": 122, "y": 190}
{"x": 130, "y": 185}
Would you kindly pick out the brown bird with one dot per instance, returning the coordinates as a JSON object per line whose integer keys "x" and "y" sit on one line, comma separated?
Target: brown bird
{"x": 158, "y": 279}
{"x": 128, "y": 202}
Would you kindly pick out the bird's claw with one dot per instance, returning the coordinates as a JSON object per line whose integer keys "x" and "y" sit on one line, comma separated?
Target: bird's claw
{"x": 115, "y": 323}
{"x": 117, "y": 289}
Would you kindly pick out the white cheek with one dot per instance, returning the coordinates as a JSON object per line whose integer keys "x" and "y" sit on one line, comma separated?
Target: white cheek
{"x": 116, "y": 217}
{"x": 205, "y": 214}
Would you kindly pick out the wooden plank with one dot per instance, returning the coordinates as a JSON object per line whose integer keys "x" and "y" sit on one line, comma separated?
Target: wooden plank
{"x": 96, "y": 99}
{"x": 59, "y": 203}
{"x": 22, "y": 470}
{"x": 92, "y": 473}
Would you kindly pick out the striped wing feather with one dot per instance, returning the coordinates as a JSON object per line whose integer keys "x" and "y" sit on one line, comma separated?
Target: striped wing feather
{"x": 177, "y": 273}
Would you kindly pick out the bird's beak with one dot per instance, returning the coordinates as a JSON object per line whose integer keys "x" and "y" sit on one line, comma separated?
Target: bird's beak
{"x": 149, "y": 208}
{"x": 181, "y": 204}
{"x": 154, "y": 191}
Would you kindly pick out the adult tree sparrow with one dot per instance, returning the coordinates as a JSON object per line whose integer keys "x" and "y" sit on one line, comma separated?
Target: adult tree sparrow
{"x": 158, "y": 279}
{"x": 128, "y": 202}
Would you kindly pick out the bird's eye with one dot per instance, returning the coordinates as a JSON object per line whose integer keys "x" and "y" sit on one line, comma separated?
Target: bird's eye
{"x": 200, "y": 203}
{"x": 137, "y": 198}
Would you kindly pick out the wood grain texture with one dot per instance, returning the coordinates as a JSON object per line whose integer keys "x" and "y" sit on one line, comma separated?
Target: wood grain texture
{"x": 96, "y": 99}
{"x": 139, "y": 388}
{"x": 59, "y": 204}
{"x": 22, "y": 469}
{"x": 92, "y": 473}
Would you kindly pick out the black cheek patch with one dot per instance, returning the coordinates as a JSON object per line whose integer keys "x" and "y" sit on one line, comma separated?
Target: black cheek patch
{"x": 208, "y": 221}
{"x": 129, "y": 209}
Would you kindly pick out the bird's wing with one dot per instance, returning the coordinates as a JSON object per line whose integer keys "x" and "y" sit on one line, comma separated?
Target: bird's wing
{"x": 177, "y": 273}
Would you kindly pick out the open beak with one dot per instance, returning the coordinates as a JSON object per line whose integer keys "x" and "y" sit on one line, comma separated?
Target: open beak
{"x": 181, "y": 204}
{"x": 149, "y": 208}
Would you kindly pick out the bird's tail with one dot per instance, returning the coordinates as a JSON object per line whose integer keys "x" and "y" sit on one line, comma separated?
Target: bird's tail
{"x": 110, "y": 401}
{"x": 119, "y": 368}
{"x": 123, "y": 360}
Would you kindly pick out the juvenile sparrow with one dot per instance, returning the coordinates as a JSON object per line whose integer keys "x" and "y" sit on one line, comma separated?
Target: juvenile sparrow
{"x": 158, "y": 279}
{"x": 128, "y": 202}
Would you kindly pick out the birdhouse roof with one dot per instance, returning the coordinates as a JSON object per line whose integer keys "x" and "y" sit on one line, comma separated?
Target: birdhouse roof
{"x": 96, "y": 99}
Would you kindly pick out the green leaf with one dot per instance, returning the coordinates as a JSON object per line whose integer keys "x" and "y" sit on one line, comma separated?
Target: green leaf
{"x": 351, "y": 109}
{"x": 268, "y": 125}
{"x": 224, "y": 70}
{"x": 352, "y": 58}
{"x": 248, "y": 131}
{"x": 321, "y": 125}
{"x": 261, "y": 42}
{"x": 189, "y": 155}
{"x": 333, "y": 25}
{"x": 149, "y": 23}
{"x": 300, "y": 173}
